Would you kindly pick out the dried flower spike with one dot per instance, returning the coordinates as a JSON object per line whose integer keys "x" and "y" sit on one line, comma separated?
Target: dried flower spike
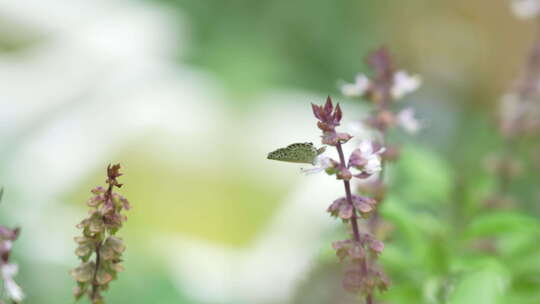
{"x": 99, "y": 250}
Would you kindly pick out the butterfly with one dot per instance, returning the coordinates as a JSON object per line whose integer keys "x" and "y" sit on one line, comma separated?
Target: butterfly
{"x": 297, "y": 153}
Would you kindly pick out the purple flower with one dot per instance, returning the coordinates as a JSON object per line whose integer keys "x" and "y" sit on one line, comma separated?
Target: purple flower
{"x": 328, "y": 117}
{"x": 366, "y": 158}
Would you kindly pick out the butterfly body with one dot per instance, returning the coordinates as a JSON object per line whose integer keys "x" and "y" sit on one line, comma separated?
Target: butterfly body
{"x": 297, "y": 153}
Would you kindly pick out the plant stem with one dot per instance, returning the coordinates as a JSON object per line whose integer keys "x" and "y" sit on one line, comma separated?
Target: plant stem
{"x": 369, "y": 299}
{"x": 354, "y": 217}
{"x": 95, "y": 284}
{"x": 347, "y": 184}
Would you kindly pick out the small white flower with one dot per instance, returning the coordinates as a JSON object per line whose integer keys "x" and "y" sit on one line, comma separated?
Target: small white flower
{"x": 407, "y": 120}
{"x": 7, "y": 244}
{"x": 356, "y": 89}
{"x": 365, "y": 159}
{"x": 405, "y": 84}
{"x": 9, "y": 270}
{"x": 321, "y": 164}
{"x": 358, "y": 129}
{"x": 526, "y": 9}
{"x": 13, "y": 290}
{"x": 373, "y": 157}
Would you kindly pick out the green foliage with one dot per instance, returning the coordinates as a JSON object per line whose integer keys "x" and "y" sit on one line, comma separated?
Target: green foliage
{"x": 436, "y": 255}
{"x": 484, "y": 286}
{"x": 424, "y": 177}
{"x": 501, "y": 223}
{"x": 275, "y": 45}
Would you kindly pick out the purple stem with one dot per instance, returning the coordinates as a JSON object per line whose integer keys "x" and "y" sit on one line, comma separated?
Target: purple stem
{"x": 95, "y": 284}
{"x": 354, "y": 221}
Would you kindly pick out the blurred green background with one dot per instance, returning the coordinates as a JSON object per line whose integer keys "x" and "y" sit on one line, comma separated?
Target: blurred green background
{"x": 190, "y": 95}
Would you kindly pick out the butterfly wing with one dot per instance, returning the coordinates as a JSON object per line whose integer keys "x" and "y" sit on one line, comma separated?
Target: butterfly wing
{"x": 295, "y": 153}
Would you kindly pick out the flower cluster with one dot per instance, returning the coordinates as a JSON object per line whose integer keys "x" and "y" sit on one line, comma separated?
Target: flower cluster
{"x": 99, "y": 250}
{"x": 360, "y": 204}
{"x": 329, "y": 118}
{"x": 519, "y": 118}
{"x": 520, "y": 108}
{"x": 385, "y": 86}
{"x": 8, "y": 270}
{"x": 361, "y": 250}
{"x": 363, "y": 162}
{"x": 519, "y": 111}
{"x": 382, "y": 90}
{"x": 359, "y": 277}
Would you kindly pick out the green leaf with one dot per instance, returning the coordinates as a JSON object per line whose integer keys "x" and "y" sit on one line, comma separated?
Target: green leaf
{"x": 486, "y": 286}
{"x": 501, "y": 222}
{"x": 406, "y": 225}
